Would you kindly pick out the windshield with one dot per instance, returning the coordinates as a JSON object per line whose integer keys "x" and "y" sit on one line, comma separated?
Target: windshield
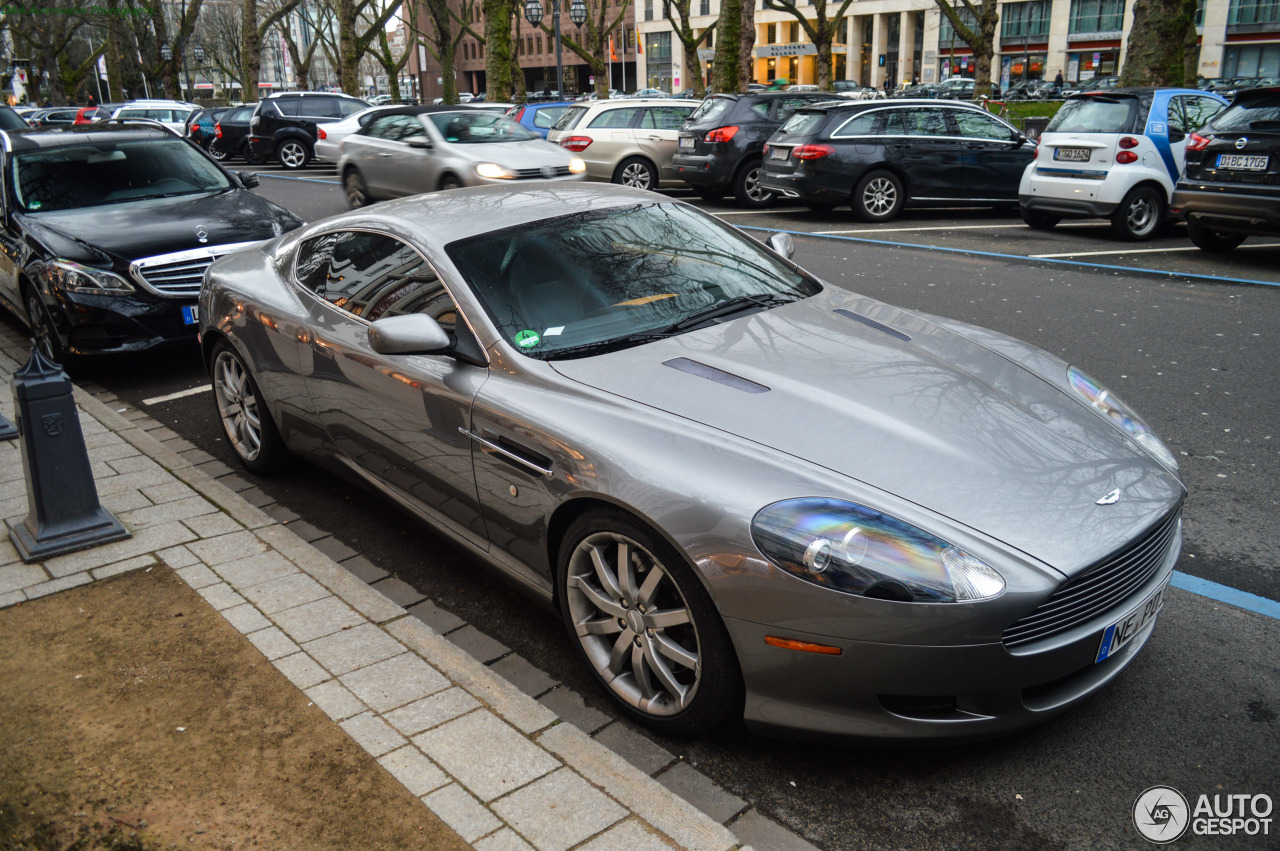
{"x": 1095, "y": 115}
{"x": 570, "y": 118}
{"x": 802, "y": 124}
{"x": 1257, "y": 114}
{"x": 477, "y": 126}
{"x": 711, "y": 109}
{"x": 92, "y": 174}
{"x": 618, "y": 277}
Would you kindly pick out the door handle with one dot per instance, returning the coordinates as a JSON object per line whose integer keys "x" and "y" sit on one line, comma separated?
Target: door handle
{"x": 655, "y": 138}
{"x": 383, "y": 154}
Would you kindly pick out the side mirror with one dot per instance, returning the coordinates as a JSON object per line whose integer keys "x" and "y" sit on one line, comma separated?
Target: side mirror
{"x": 420, "y": 142}
{"x": 781, "y": 244}
{"x": 248, "y": 178}
{"x": 413, "y": 333}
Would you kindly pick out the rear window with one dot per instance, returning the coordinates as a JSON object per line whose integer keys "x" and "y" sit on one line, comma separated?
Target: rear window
{"x": 546, "y": 118}
{"x": 1095, "y": 115}
{"x": 1257, "y": 114}
{"x": 711, "y": 109}
{"x": 803, "y": 123}
{"x": 570, "y": 118}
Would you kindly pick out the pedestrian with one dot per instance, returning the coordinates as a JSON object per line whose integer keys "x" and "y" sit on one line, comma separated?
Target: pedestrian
{"x": 1057, "y": 82}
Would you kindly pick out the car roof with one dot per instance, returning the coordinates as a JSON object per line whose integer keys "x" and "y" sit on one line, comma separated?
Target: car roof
{"x": 35, "y": 138}
{"x": 277, "y": 95}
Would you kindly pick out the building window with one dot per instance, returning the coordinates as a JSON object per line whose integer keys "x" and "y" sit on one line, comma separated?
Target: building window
{"x": 658, "y": 60}
{"x": 771, "y": 34}
{"x": 1253, "y": 15}
{"x": 1253, "y": 60}
{"x": 1096, "y": 16}
{"x": 648, "y": 10}
{"x": 947, "y": 33}
{"x": 1023, "y": 20}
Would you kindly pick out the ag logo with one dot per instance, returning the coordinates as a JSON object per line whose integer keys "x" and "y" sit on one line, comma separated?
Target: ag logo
{"x": 52, "y": 424}
{"x": 1161, "y": 814}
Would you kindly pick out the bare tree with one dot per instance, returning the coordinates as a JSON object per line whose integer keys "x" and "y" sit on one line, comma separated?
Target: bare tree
{"x": 359, "y": 22}
{"x": 822, "y": 30}
{"x": 391, "y": 65}
{"x": 978, "y": 31}
{"x": 254, "y": 26}
{"x": 593, "y": 46}
{"x": 1164, "y": 49}
{"x": 737, "y": 26}
{"x": 677, "y": 11}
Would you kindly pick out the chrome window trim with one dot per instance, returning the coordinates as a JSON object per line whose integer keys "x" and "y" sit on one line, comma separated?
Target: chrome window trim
{"x": 954, "y": 108}
{"x": 293, "y": 279}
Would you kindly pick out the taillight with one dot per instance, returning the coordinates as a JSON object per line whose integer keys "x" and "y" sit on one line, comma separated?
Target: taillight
{"x": 217, "y": 129}
{"x": 1196, "y": 142}
{"x": 721, "y": 134}
{"x": 765, "y": 150}
{"x": 320, "y": 134}
{"x": 1126, "y": 157}
{"x": 516, "y": 118}
{"x": 577, "y": 144}
{"x": 812, "y": 152}
{"x": 1128, "y": 142}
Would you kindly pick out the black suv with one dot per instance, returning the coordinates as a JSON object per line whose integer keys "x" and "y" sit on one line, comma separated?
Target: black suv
{"x": 231, "y": 135}
{"x": 284, "y": 125}
{"x": 106, "y": 230}
{"x": 719, "y": 146}
{"x": 1231, "y": 186}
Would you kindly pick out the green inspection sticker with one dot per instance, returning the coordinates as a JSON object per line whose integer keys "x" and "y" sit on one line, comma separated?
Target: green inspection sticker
{"x": 527, "y": 338}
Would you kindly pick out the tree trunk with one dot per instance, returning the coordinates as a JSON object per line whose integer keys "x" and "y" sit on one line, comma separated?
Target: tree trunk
{"x": 1157, "y": 43}
{"x": 250, "y": 51}
{"x": 348, "y": 56}
{"x": 692, "y": 64}
{"x": 985, "y": 50}
{"x": 824, "y": 65}
{"x": 724, "y": 69}
{"x": 115, "y": 83}
{"x": 746, "y": 43}
{"x": 499, "y": 50}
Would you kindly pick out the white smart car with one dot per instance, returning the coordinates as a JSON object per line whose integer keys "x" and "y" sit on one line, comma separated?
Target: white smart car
{"x": 1114, "y": 154}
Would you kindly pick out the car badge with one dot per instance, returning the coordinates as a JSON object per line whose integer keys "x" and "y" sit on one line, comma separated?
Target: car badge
{"x": 202, "y": 234}
{"x": 1110, "y": 499}
{"x": 1241, "y": 142}
{"x": 548, "y": 171}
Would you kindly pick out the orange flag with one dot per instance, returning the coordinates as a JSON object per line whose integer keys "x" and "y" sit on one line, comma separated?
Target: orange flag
{"x": 612, "y": 55}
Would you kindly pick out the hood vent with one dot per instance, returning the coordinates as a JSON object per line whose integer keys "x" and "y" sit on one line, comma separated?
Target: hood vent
{"x": 871, "y": 323}
{"x": 719, "y": 376}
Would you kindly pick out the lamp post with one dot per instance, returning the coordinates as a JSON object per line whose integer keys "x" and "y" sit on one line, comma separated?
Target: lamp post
{"x": 197, "y": 50}
{"x": 577, "y": 14}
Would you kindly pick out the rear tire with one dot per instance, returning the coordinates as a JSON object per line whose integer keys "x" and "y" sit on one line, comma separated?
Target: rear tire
{"x": 878, "y": 197}
{"x": 1139, "y": 215}
{"x": 293, "y": 154}
{"x": 1039, "y": 220}
{"x": 747, "y": 188}
{"x": 249, "y": 156}
{"x": 356, "y": 189}
{"x": 1214, "y": 241}
{"x": 637, "y": 172}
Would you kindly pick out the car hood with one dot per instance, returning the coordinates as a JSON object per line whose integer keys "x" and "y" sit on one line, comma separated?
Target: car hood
{"x": 935, "y": 419}
{"x": 120, "y": 233}
{"x": 534, "y": 153}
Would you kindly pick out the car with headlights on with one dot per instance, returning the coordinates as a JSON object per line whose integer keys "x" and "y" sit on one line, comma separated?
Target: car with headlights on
{"x": 746, "y": 492}
{"x": 107, "y": 231}
{"x": 1114, "y": 154}
{"x": 331, "y": 135}
{"x": 625, "y": 140}
{"x": 1231, "y": 187}
{"x": 414, "y": 149}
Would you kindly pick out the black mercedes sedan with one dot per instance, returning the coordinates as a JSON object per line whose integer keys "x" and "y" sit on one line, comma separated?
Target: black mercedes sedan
{"x": 106, "y": 230}
{"x": 879, "y": 157}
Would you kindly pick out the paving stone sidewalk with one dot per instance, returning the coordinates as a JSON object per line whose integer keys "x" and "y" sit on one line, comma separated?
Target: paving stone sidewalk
{"x": 503, "y": 769}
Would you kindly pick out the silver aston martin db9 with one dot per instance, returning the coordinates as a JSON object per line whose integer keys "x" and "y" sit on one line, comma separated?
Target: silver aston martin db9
{"x": 746, "y": 492}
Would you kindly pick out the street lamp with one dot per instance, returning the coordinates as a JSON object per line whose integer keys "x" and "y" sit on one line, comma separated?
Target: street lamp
{"x": 577, "y": 14}
{"x": 197, "y": 50}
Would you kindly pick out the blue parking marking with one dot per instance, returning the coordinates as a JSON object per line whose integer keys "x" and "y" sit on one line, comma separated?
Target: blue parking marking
{"x": 976, "y": 253}
{"x": 1226, "y": 594}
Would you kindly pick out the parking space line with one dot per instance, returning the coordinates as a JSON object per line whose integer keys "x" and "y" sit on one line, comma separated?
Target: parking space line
{"x": 975, "y": 253}
{"x": 761, "y": 212}
{"x": 191, "y": 391}
{"x": 1226, "y": 594}
{"x": 291, "y": 177}
{"x": 1145, "y": 251}
{"x": 954, "y": 227}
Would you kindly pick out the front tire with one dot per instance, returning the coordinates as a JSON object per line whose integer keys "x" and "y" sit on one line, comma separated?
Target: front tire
{"x": 1139, "y": 215}
{"x": 636, "y": 172}
{"x": 878, "y": 197}
{"x": 646, "y": 626}
{"x": 293, "y": 154}
{"x": 44, "y": 332}
{"x": 356, "y": 189}
{"x": 1214, "y": 241}
{"x": 449, "y": 182}
{"x": 747, "y": 188}
{"x": 1040, "y": 220}
{"x": 250, "y": 157}
{"x": 245, "y": 419}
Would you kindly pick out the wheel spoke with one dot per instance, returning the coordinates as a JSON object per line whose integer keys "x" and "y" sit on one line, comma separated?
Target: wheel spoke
{"x": 664, "y": 618}
{"x": 650, "y": 586}
{"x": 664, "y": 674}
{"x": 598, "y": 626}
{"x": 608, "y": 581}
{"x": 638, "y": 670}
{"x": 597, "y": 598}
{"x": 618, "y": 656}
{"x": 675, "y": 652}
{"x": 626, "y": 575}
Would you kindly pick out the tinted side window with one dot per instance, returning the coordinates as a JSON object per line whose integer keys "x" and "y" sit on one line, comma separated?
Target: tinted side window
{"x": 371, "y": 275}
{"x": 285, "y": 106}
{"x": 321, "y": 107}
{"x": 785, "y": 106}
{"x": 546, "y": 118}
{"x": 862, "y": 124}
{"x": 895, "y": 123}
{"x": 382, "y": 128}
{"x": 975, "y": 125}
{"x": 1177, "y": 122}
{"x": 664, "y": 117}
{"x": 1199, "y": 110}
{"x": 927, "y": 121}
{"x": 348, "y": 107}
{"x": 614, "y": 118}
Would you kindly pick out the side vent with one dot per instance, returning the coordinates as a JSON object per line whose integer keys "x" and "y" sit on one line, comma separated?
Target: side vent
{"x": 871, "y": 323}
{"x": 719, "y": 376}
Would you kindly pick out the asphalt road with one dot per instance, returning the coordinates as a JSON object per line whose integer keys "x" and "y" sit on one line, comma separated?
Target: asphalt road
{"x": 1199, "y": 708}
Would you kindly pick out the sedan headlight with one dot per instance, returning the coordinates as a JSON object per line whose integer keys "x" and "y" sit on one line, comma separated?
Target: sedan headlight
{"x": 858, "y": 550}
{"x": 577, "y": 165}
{"x": 71, "y": 277}
{"x": 494, "y": 171}
{"x": 1108, "y": 405}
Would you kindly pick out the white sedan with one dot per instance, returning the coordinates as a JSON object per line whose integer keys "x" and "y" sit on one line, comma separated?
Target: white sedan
{"x": 329, "y": 136}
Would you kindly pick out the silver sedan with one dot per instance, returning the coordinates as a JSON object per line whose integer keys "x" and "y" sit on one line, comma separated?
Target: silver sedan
{"x": 747, "y": 493}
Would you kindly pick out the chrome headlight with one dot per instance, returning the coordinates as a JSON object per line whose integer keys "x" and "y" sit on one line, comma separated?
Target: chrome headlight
{"x": 494, "y": 171}
{"x": 1109, "y": 406}
{"x": 858, "y": 550}
{"x": 71, "y": 277}
{"x": 577, "y": 165}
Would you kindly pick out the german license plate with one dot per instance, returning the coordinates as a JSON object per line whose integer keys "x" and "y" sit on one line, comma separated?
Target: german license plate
{"x": 687, "y": 142}
{"x": 779, "y": 153}
{"x": 1072, "y": 155}
{"x": 1122, "y": 631}
{"x": 190, "y": 314}
{"x": 1242, "y": 162}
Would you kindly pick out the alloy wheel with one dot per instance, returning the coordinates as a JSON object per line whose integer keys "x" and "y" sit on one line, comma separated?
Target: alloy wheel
{"x": 880, "y": 196}
{"x": 42, "y": 331}
{"x": 634, "y": 624}
{"x": 292, "y": 155}
{"x": 636, "y": 174}
{"x": 757, "y": 193}
{"x": 237, "y": 405}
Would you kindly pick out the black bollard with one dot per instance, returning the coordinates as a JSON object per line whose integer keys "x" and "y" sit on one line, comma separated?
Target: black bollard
{"x": 65, "y": 512}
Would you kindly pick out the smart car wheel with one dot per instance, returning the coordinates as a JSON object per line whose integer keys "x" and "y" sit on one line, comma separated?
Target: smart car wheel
{"x": 637, "y": 172}
{"x": 245, "y": 418}
{"x": 293, "y": 154}
{"x": 646, "y": 626}
{"x": 43, "y": 332}
{"x": 1139, "y": 215}
{"x": 1216, "y": 241}
{"x": 1040, "y": 220}
{"x": 747, "y": 188}
{"x": 355, "y": 187}
{"x": 878, "y": 197}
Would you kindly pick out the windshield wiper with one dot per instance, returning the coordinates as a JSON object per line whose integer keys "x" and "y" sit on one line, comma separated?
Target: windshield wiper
{"x": 600, "y": 347}
{"x": 734, "y": 305}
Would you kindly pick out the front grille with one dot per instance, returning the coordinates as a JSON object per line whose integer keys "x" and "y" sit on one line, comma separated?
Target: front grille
{"x": 530, "y": 173}
{"x": 1100, "y": 588}
{"x": 180, "y": 274}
